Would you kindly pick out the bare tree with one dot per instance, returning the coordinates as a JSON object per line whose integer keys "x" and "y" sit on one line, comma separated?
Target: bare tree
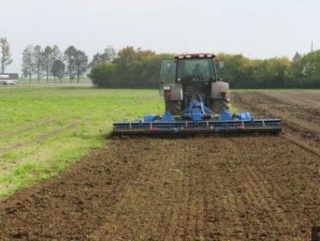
{"x": 28, "y": 62}
{"x": 38, "y": 61}
{"x": 97, "y": 59}
{"x": 56, "y": 53}
{"x": 5, "y": 54}
{"x": 108, "y": 55}
{"x": 47, "y": 61}
{"x": 56, "y": 56}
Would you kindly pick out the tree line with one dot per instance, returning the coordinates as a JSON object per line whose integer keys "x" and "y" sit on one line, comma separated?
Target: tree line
{"x": 47, "y": 62}
{"x": 136, "y": 68}
{"x": 129, "y": 68}
{"x": 50, "y": 61}
{"x": 302, "y": 71}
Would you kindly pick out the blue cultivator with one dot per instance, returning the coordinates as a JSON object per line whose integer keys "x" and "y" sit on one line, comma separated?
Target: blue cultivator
{"x": 197, "y": 119}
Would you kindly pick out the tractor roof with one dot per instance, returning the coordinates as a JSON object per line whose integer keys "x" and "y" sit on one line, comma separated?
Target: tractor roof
{"x": 195, "y": 56}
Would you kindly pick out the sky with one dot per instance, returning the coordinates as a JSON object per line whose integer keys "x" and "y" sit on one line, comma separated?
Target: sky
{"x": 259, "y": 29}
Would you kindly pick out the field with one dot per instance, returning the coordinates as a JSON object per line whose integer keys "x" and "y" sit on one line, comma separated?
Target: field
{"x": 44, "y": 130}
{"x": 203, "y": 188}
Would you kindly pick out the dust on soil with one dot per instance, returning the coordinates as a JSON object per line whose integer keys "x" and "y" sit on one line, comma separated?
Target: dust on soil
{"x": 247, "y": 188}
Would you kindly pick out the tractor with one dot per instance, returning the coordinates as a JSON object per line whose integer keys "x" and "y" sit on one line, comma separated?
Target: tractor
{"x": 196, "y": 102}
{"x": 193, "y": 74}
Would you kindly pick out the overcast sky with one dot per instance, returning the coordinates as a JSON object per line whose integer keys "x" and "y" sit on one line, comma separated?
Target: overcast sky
{"x": 255, "y": 28}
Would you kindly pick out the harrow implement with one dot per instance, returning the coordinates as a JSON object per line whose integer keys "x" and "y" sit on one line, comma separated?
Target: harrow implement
{"x": 197, "y": 119}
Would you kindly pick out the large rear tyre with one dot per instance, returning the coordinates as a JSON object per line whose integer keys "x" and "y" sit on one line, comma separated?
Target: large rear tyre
{"x": 174, "y": 107}
{"x": 219, "y": 105}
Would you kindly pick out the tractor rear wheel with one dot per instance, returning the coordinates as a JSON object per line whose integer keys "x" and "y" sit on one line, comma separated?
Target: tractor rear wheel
{"x": 174, "y": 107}
{"x": 219, "y": 105}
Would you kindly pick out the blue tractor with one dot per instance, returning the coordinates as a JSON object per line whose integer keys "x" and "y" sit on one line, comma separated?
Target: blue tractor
{"x": 196, "y": 102}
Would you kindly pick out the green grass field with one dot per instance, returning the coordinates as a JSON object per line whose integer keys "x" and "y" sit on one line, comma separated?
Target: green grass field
{"x": 44, "y": 130}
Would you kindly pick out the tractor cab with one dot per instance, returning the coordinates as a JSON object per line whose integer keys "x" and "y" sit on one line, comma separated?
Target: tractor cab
{"x": 189, "y": 75}
{"x": 190, "y": 68}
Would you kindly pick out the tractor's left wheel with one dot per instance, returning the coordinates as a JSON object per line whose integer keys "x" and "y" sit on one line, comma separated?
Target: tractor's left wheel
{"x": 219, "y": 105}
{"x": 174, "y": 107}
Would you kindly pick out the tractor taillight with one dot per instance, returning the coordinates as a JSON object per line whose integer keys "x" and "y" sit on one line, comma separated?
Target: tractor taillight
{"x": 223, "y": 94}
{"x": 168, "y": 94}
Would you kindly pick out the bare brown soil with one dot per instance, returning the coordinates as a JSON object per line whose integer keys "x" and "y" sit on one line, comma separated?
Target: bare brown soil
{"x": 203, "y": 188}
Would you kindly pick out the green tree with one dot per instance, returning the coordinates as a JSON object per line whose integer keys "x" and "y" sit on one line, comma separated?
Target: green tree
{"x": 103, "y": 75}
{"x": 132, "y": 68}
{"x": 70, "y": 60}
{"x": 274, "y": 73}
{"x": 238, "y": 70}
{"x": 58, "y": 69}
{"x": 125, "y": 56}
{"x": 81, "y": 63}
{"x": 310, "y": 69}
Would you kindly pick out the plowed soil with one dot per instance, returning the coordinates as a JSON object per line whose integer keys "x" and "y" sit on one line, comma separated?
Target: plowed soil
{"x": 202, "y": 188}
